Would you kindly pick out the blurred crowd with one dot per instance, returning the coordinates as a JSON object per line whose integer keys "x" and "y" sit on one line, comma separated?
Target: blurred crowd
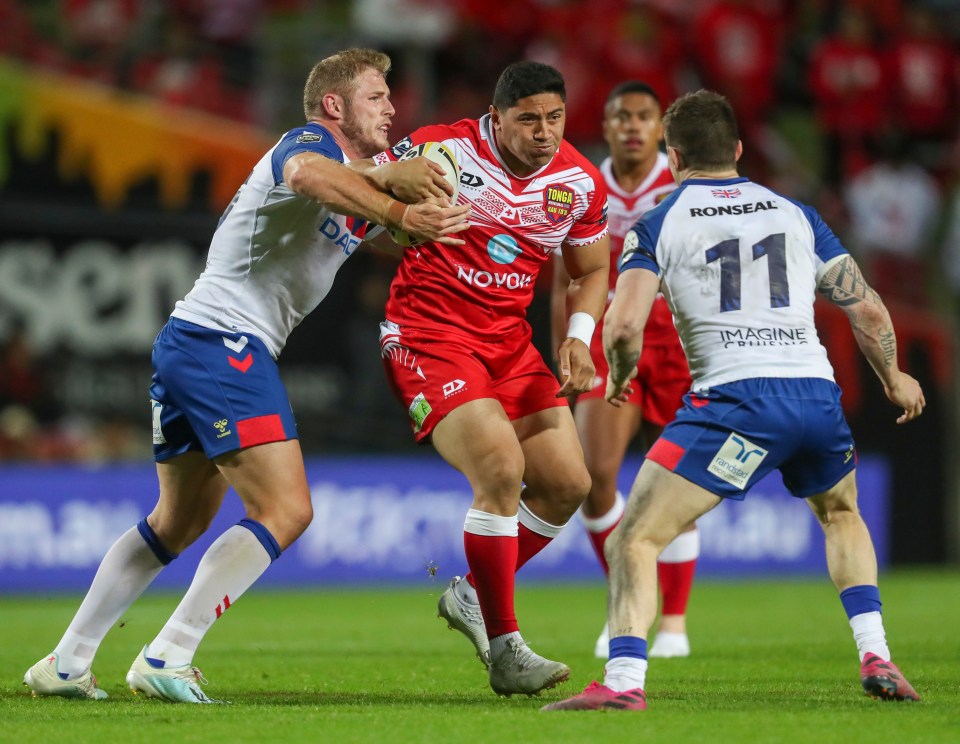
{"x": 197, "y": 53}
{"x": 851, "y": 105}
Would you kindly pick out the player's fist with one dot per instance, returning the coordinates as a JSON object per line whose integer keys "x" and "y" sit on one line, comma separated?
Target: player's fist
{"x": 906, "y": 393}
{"x": 576, "y": 368}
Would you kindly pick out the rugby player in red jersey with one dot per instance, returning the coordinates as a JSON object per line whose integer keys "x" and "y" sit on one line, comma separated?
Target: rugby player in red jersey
{"x": 459, "y": 356}
{"x": 638, "y": 177}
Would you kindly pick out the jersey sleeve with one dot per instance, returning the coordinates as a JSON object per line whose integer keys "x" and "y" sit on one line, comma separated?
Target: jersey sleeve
{"x": 312, "y": 138}
{"x": 593, "y": 225}
{"x": 826, "y": 245}
{"x": 639, "y": 249}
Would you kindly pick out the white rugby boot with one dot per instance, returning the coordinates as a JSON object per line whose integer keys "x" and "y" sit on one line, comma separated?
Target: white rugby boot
{"x": 179, "y": 684}
{"x": 465, "y": 617}
{"x": 44, "y": 678}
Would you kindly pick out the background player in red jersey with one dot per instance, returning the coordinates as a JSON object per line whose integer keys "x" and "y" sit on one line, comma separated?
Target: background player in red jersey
{"x": 458, "y": 351}
{"x": 638, "y": 177}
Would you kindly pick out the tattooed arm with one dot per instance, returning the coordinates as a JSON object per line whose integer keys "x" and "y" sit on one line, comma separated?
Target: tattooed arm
{"x": 844, "y": 286}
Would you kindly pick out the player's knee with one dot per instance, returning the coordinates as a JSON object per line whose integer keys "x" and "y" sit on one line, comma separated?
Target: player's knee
{"x": 501, "y": 477}
{"x": 619, "y": 548}
{"x": 298, "y": 517}
{"x": 625, "y": 546}
{"x": 569, "y": 491}
{"x": 841, "y": 516}
{"x": 603, "y": 485}
{"x": 286, "y": 519}
{"x": 178, "y": 534}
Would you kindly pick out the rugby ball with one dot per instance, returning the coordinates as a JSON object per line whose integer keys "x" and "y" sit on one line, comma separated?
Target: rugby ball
{"x": 443, "y": 156}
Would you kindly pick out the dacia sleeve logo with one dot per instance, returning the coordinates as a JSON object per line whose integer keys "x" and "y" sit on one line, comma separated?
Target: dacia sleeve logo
{"x": 401, "y": 147}
{"x": 310, "y": 137}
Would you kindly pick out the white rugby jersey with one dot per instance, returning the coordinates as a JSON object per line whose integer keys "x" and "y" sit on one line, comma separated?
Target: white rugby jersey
{"x": 739, "y": 265}
{"x": 274, "y": 254}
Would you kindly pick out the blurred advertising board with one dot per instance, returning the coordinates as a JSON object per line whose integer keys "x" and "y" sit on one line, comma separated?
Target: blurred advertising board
{"x": 380, "y": 520}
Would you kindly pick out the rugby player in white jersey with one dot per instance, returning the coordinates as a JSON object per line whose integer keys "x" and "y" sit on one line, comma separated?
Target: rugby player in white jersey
{"x": 221, "y": 416}
{"x": 740, "y": 265}
{"x": 459, "y": 354}
{"x": 638, "y": 178}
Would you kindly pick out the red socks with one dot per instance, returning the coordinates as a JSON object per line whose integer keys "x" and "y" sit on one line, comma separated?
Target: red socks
{"x": 493, "y": 560}
{"x": 496, "y": 548}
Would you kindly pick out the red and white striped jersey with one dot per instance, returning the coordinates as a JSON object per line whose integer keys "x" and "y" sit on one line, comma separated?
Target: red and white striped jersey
{"x": 483, "y": 288}
{"x": 625, "y": 208}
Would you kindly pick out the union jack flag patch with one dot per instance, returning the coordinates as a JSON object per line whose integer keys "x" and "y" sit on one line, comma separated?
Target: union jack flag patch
{"x": 725, "y": 193}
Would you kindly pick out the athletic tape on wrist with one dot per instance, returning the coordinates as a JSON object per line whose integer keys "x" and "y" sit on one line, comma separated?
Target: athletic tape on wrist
{"x": 395, "y": 214}
{"x": 581, "y": 327}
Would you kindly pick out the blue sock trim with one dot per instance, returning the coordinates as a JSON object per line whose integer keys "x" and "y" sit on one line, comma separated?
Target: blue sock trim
{"x": 628, "y": 647}
{"x": 151, "y": 539}
{"x": 860, "y": 599}
{"x": 263, "y": 535}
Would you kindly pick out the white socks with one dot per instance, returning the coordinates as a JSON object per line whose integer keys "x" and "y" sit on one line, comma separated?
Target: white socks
{"x": 490, "y": 525}
{"x": 625, "y": 673}
{"x": 605, "y": 521}
{"x": 533, "y": 523}
{"x": 125, "y": 571}
{"x": 229, "y": 567}
{"x": 685, "y": 547}
{"x": 869, "y": 634}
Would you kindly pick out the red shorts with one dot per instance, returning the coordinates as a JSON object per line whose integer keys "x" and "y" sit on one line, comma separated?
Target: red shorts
{"x": 663, "y": 378}
{"x": 431, "y": 374}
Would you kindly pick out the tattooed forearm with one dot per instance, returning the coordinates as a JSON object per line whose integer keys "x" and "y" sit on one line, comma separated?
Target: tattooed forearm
{"x": 888, "y": 344}
{"x": 845, "y": 286}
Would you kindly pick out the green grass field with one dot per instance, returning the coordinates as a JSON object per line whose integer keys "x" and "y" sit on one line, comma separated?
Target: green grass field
{"x": 772, "y": 662}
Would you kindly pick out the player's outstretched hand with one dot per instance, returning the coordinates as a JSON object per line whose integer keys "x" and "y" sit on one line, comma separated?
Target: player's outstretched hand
{"x": 430, "y": 223}
{"x": 905, "y": 393}
{"x": 412, "y": 180}
{"x": 576, "y": 368}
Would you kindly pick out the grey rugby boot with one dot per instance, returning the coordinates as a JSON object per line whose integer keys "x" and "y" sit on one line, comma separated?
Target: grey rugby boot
{"x": 516, "y": 669}
{"x": 466, "y": 618}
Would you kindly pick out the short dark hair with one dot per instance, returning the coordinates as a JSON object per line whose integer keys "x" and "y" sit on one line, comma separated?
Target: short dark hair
{"x": 522, "y": 79}
{"x": 633, "y": 86}
{"x": 703, "y": 127}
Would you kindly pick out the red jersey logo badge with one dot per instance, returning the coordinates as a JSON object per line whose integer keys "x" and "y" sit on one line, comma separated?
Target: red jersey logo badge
{"x": 557, "y": 202}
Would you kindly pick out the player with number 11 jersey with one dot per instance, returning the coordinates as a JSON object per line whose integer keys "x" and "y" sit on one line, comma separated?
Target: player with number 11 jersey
{"x": 713, "y": 263}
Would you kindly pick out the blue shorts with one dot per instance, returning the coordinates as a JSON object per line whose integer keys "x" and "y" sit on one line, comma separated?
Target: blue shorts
{"x": 215, "y": 391}
{"x": 727, "y": 439}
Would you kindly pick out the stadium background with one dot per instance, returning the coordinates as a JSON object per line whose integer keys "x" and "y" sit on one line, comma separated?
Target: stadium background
{"x": 127, "y": 125}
